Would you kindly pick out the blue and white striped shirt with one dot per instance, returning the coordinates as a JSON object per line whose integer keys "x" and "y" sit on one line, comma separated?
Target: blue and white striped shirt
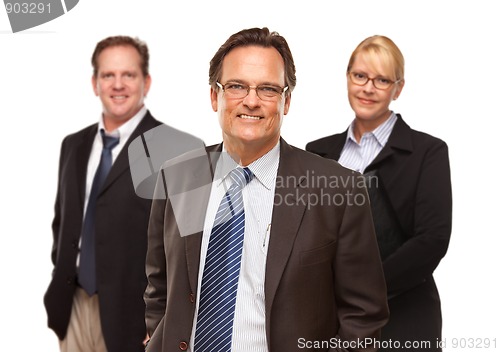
{"x": 249, "y": 326}
{"x": 357, "y": 156}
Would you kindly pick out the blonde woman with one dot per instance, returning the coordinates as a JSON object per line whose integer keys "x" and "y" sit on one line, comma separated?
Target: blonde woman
{"x": 408, "y": 178}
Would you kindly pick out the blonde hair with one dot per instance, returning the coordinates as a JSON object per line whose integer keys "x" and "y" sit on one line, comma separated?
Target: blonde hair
{"x": 383, "y": 49}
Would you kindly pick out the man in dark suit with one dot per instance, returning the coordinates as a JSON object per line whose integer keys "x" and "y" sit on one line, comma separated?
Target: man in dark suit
{"x": 308, "y": 274}
{"x": 106, "y": 311}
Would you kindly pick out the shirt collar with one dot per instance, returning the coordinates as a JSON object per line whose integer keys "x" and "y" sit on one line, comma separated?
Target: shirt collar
{"x": 125, "y": 130}
{"x": 381, "y": 133}
{"x": 264, "y": 169}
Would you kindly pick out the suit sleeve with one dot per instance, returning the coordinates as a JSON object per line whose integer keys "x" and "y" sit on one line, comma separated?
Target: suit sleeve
{"x": 155, "y": 295}
{"x": 361, "y": 292}
{"x": 417, "y": 258}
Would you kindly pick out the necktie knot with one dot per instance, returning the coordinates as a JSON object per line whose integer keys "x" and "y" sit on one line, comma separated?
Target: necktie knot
{"x": 241, "y": 176}
{"x": 109, "y": 142}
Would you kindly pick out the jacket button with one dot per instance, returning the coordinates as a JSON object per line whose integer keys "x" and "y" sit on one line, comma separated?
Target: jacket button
{"x": 191, "y": 298}
{"x": 70, "y": 280}
{"x": 183, "y": 346}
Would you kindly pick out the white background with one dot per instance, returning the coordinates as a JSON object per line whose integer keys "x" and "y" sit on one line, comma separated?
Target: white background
{"x": 451, "y": 91}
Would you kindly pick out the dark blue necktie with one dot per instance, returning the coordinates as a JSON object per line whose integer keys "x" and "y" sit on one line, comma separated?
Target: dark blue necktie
{"x": 219, "y": 285}
{"x": 87, "y": 270}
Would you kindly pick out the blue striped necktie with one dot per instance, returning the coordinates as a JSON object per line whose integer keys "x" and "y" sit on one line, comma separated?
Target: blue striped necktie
{"x": 214, "y": 326}
{"x": 87, "y": 267}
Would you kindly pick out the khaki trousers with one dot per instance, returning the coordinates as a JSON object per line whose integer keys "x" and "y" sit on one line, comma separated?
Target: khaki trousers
{"x": 84, "y": 330}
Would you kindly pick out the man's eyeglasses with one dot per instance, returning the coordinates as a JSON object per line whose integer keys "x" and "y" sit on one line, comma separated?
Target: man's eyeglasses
{"x": 360, "y": 79}
{"x": 265, "y": 92}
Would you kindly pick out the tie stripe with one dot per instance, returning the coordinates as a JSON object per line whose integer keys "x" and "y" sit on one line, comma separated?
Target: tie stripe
{"x": 222, "y": 267}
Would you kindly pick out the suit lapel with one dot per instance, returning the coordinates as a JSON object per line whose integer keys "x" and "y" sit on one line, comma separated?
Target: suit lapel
{"x": 399, "y": 141}
{"x": 336, "y": 146}
{"x": 121, "y": 163}
{"x": 193, "y": 242}
{"x": 83, "y": 150}
{"x": 287, "y": 216}
{"x": 193, "y": 251}
{"x": 329, "y": 147}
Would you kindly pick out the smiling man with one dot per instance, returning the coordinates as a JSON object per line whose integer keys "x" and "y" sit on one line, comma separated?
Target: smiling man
{"x": 279, "y": 262}
{"x": 95, "y": 299}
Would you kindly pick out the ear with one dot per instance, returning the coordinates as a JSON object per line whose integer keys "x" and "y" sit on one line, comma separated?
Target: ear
{"x": 147, "y": 84}
{"x": 94, "y": 85}
{"x": 288, "y": 99}
{"x": 399, "y": 89}
{"x": 214, "y": 99}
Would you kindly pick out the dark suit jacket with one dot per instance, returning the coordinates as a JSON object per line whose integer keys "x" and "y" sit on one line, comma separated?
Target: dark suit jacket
{"x": 121, "y": 237}
{"x": 323, "y": 273}
{"x": 413, "y": 169}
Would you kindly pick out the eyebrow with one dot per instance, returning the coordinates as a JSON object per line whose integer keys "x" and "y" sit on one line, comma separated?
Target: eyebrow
{"x": 266, "y": 83}
{"x": 125, "y": 72}
{"x": 367, "y": 75}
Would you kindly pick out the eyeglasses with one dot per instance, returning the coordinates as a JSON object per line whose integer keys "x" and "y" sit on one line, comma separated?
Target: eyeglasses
{"x": 265, "y": 92}
{"x": 360, "y": 79}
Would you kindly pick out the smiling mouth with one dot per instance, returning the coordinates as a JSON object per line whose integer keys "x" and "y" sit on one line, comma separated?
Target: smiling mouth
{"x": 118, "y": 97}
{"x": 249, "y": 117}
{"x": 366, "y": 101}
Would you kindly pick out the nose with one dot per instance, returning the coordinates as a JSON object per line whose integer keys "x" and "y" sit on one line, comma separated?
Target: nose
{"x": 252, "y": 100}
{"x": 369, "y": 87}
{"x": 117, "y": 83}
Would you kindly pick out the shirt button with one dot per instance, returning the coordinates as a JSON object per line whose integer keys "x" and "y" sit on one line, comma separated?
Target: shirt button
{"x": 183, "y": 346}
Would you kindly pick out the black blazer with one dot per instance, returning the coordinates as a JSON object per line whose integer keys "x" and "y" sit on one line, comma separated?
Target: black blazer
{"x": 414, "y": 170}
{"x": 121, "y": 237}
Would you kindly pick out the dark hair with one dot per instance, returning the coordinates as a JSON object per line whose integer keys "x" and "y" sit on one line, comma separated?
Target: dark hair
{"x": 122, "y": 40}
{"x": 254, "y": 36}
